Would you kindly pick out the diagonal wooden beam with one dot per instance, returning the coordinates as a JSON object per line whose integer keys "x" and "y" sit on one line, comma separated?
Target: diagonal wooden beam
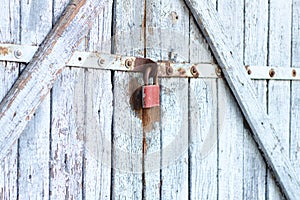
{"x": 263, "y": 131}
{"x": 18, "y": 106}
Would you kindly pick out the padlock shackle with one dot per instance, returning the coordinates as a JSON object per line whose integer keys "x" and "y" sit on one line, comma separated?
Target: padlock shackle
{"x": 148, "y": 67}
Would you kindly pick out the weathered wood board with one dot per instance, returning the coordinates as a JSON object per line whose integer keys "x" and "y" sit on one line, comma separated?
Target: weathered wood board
{"x": 10, "y": 33}
{"x": 230, "y": 118}
{"x": 33, "y": 181}
{"x": 255, "y": 53}
{"x": 295, "y": 88}
{"x": 90, "y": 140}
{"x": 279, "y": 53}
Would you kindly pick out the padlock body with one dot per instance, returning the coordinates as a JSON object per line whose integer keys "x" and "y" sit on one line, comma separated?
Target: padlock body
{"x": 151, "y": 96}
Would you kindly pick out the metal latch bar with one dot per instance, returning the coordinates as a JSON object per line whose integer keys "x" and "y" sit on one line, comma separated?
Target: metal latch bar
{"x": 24, "y": 53}
{"x": 17, "y": 53}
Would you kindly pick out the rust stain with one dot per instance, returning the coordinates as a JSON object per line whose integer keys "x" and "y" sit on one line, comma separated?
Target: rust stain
{"x": 272, "y": 72}
{"x": 194, "y": 72}
{"x": 249, "y": 72}
{"x": 181, "y": 71}
{"x": 3, "y": 50}
{"x": 174, "y": 17}
{"x": 148, "y": 115}
{"x": 144, "y": 145}
{"x": 294, "y": 73}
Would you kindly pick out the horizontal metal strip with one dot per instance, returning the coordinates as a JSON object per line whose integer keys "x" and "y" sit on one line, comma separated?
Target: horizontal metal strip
{"x": 273, "y": 73}
{"x": 17, "y": 53}
{"x": 124, "y": 63}
{"x": 24, "y": 53}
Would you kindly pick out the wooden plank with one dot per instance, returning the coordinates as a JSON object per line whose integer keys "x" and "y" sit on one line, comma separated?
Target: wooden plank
{"x": 67, "y": 131}
{"x": 97, "y": 164}
{"x": 203, "y": 139}
{"x": 99, "y": 108}
{"x": 230, "y": 119}
{"x": 10, "y": 29}
{"x": 255, "y": 53}
{"x": 242, "y": 88}
{"x": 167, "y": 38}
{"x": 295, "y": 88}
{"x": 34, "y": 84}
{"x": 127, "y": 138}
{"x": 203, "y": 152}
{"x": 33, "y": 181}
{"x": 279, "y": 91}
{"x": 174, "y": 161}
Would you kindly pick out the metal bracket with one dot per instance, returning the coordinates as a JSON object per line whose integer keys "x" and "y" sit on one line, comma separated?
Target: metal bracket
{"x": 17, "y": 53}
{"x": 24, "y": 53}
{"x": 273, "y": 73}
{"x": 127, "y": 63}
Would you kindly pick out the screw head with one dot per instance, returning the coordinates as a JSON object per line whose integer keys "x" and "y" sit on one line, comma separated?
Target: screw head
{"x": 272, "y": 72}
{"x": 18, "y": 53}
{"x": 128, "y": 63}
{"x": 101, "y": 61}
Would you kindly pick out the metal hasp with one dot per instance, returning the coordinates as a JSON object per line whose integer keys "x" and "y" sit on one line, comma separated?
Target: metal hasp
{"x": 17, "y": 53}
{"x": 149, "y": 68}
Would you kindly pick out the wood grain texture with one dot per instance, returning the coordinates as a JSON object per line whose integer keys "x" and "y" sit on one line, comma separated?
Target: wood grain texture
{"x": 230, "y": 147}
{"x": 203, "y": 152}
{"x": 127, "y": 140}
{"x": 255, "y": 53}
{"x": 99, "y": 109}
{"x": 33, "y": 180}
{"x": 295, "y": 97}
{"x": 279, "y": 91}
{"x": 36, "y": 81}
{"x": 9, "y": 33}
{"x": 128, "y": 35}
{"x": 97, "y": 164}
{"x": 174, "y": 118}
{"x": 242, "y": 88}
{"x": 67, "y": 135}
{"x": 230, "y": 118}
{"x": 167, "y": 38}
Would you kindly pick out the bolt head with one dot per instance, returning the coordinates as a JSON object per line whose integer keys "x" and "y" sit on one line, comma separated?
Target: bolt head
{"x": 101, "y": 61}
{"x": 18, "y": 53}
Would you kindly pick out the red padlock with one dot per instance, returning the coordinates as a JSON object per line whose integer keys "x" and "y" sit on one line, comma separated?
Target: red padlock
{"x": 150, "y": 93}
{"x": 151, "y": 96}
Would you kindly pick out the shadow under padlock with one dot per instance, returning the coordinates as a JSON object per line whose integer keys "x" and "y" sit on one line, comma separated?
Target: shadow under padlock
{"x": 145, "y": 100}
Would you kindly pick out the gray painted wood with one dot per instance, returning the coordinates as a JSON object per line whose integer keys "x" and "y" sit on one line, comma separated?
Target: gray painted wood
{"x": 167, "y": 38}
{"x": 203, "y": 135}
{"x": 33, "y": 180}
{"x": 255, "y": 53}
{"x": 97, "y": 163}
{"x": 230, "y": 147}
{"x": 99, "y": 108}
{"x": 67, "y": 135}
{"x": 230, "y": 119}
{"x": 279, "y": 91}
{"x": 203, "y": 152}
{"x": 242, "y": 88}
{"x": 127, "y": 138}
{"x": 9, "y": 33}
{"x": 36, "y": 81}
{"x": 295, "y": 97}
{"x": 174, "y": 118}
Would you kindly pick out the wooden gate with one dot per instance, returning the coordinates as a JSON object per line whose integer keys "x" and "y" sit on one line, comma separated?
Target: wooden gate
{"x": 209, "y": 139}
